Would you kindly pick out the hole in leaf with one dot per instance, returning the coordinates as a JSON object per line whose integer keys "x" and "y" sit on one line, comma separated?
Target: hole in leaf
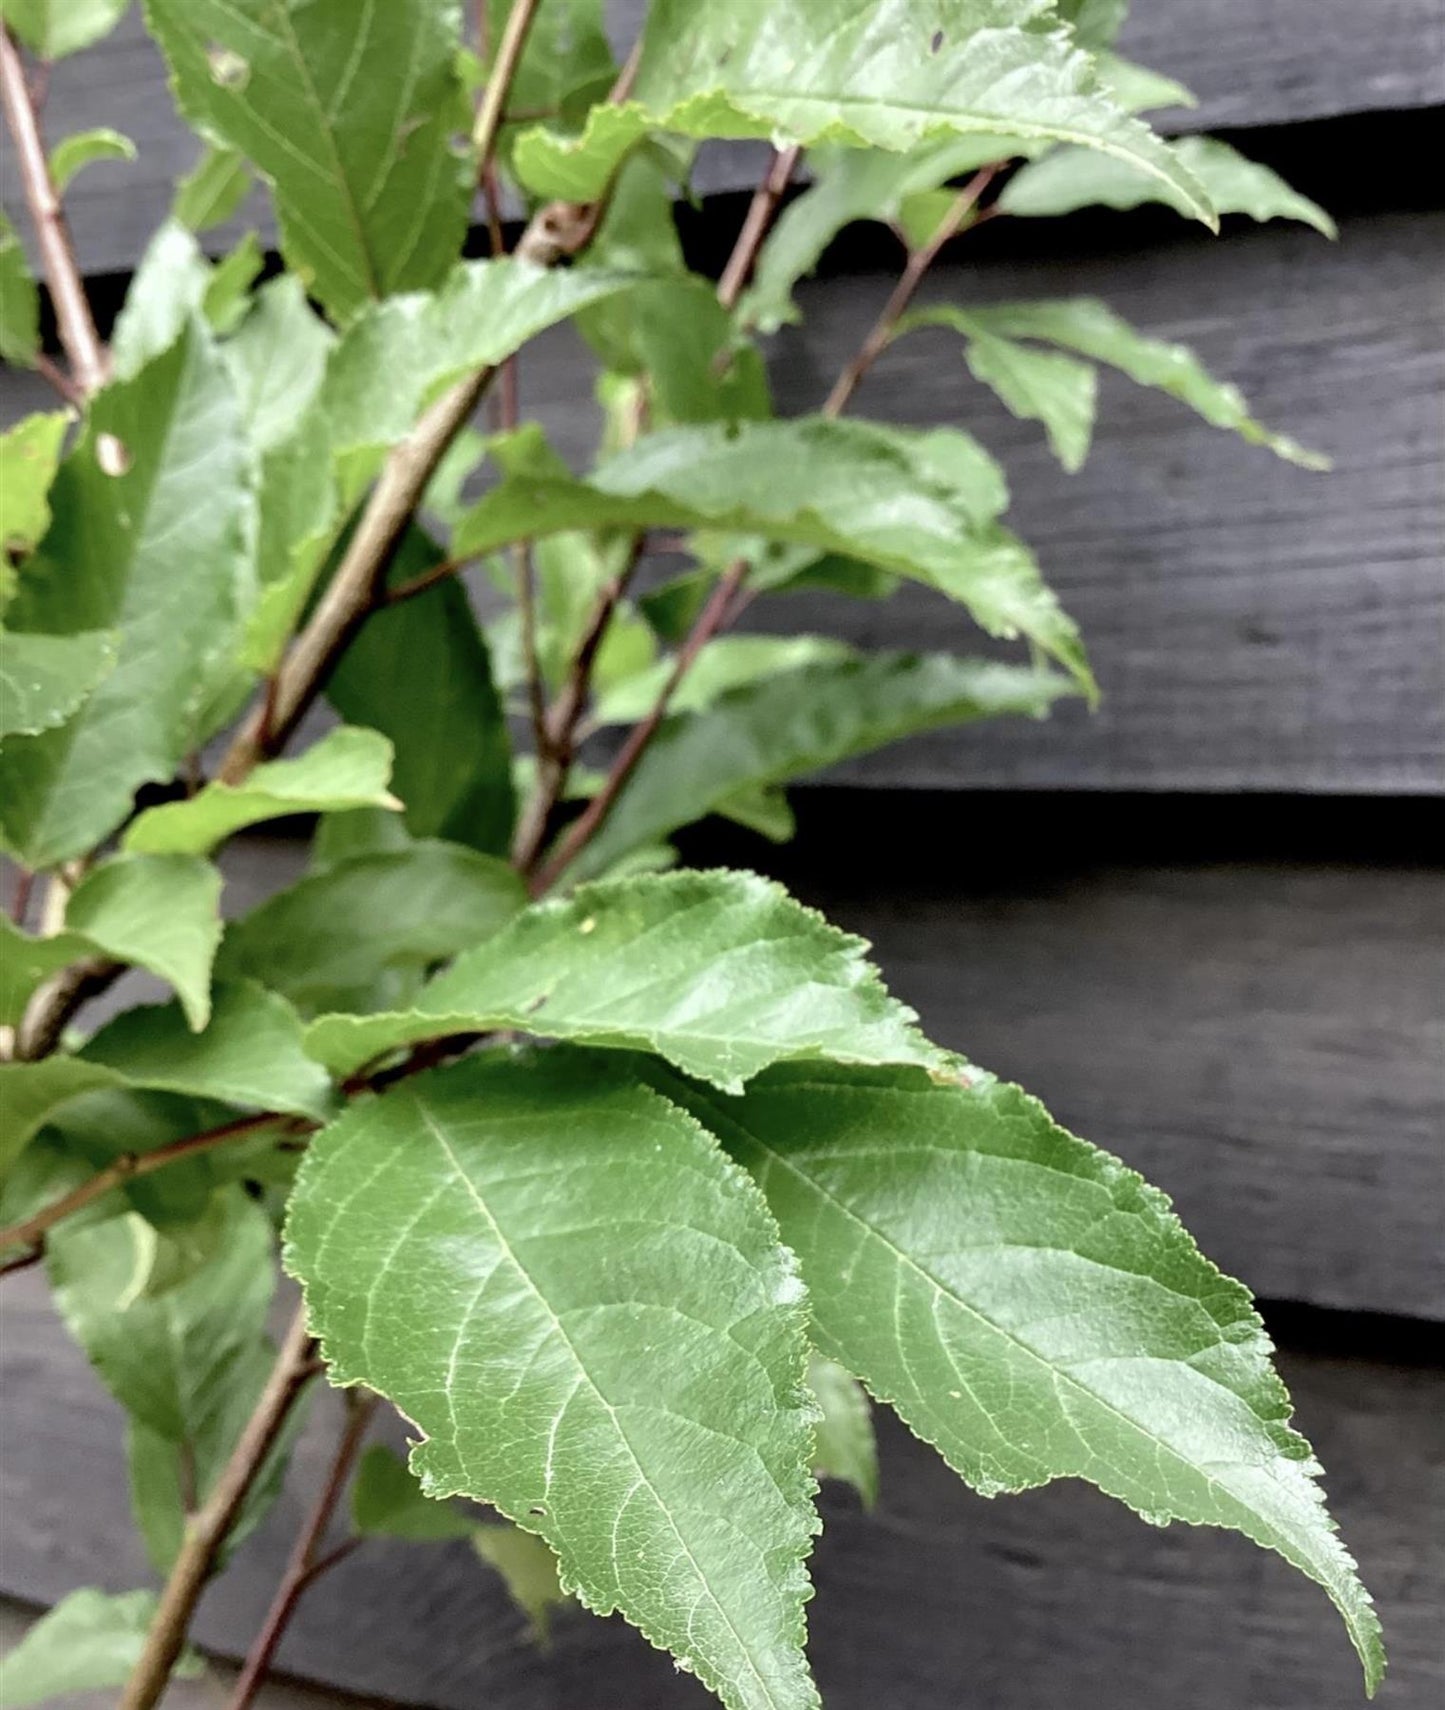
{"x": 228, "y": 68}
{"x": 111, "y": 454}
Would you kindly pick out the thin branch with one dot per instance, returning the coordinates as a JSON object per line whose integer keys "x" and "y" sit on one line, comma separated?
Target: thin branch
{"x": 207, "y": 1529}
{"x": 31, "y": 1231}
{"x": 73, "y": 318}
{"x": 729, "y": 597}
{"x": 54, "y": 375}
{"x": 20, "y": 901}
{"x": 919, "y": 261}
{"x": 554, "y": 761}
{"x": 404, "y": 591}
{"x": 761, "y": 210}
{"x": 712, "y": 618}
{"x": 499, "y": 83}
{"x": 305, "y": 1565}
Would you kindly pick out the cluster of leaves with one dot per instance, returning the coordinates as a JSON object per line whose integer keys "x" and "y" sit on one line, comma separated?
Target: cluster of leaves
{"x": 696, "y": 1187}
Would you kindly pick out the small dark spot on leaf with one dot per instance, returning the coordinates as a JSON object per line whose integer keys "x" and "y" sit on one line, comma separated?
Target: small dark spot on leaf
{"x": 937, "y": 41}
{"x": 531, "y": 1007}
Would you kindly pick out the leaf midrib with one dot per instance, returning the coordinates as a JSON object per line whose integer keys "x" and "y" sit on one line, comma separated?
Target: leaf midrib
{"x": 454, "y": 1162}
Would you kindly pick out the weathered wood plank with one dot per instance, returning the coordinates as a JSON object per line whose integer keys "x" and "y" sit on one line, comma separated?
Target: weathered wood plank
{"x": 1249, "y": 64}
{"x": 938, "y": 1601}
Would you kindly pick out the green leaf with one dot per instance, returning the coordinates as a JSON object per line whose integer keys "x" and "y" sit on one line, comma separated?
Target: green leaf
{"x": 250, "y": 1054}
{"x": 1055, "y": 1321}
{"x": 528, "y": 1569}
{"x": 1137, "y": 89}
{"x": 851, "y": 185}
{"x": 167, "y": 291}
{"x": 157, "y": 553}
{"x": 228, "y": 295}
{"x": 844, "y": 1446}
{"x": 721, "y": 973}
{"x": 420, "y": 906}
{"x": 187, "y": 1363}
{"x": 387, "y": 1502}
{"x": 728, "y": 663}
{"x": 788, "y": 726}
{"x": 420, "y": 671}
{"x": 890, "y": 76}
{"x": 29, "y": 457}
{"x": 345, "y": 769}
{"x": 923, "y": 504}
{"x": 44, "y": 678}
{"x": 277, "y": 361}
{"x": 89, "y": 1641}
{"x": 68, "y": 157}
{"x": 1073, "y": 178}
{"x": 575, "y": 1329}
{"x": 159, "y": 912}
{"x": 25, "y": 962}
{"x": 348, "y": 115}
{"x": 213, "y": 190}
{"x": 401, "y": 354}
{"x": 19, "y": 302}
{"x": 51, "y": 29}
{"x": 1093, "y": 330}
{"x": 1096, "y": 22}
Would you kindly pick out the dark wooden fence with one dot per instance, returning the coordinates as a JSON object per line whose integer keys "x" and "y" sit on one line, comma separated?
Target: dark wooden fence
{"x": 1203, "y": 924}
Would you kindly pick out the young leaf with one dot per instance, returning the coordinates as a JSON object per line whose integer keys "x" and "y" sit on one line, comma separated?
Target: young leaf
{"x": 51, "y": 29}
{"x": 44, "y": 678}
{"x": 1137, "y": 89}
{"x": 213, "y": 190}
{"x": 167, "y": 290}
{"x": 604, "y": 1341}
{"x": 421, "y": 672}
{"x": 721, "y": 973}
{"x": 528, "y": 1569}
{"x": 149, "y": 540}
{"x": 25, "y": 962}
{"x": 1057, "y": 1322}
{"x": 387, "y": 1502}
{"x": 785, "y": 727}
{"x": 346, "y": 769}
{"x": 421, "y": 905}
{"x": 348, "y": 115}
{"x": 400, "y": 354}
{"x": 186, "y": 1363}
{"x": 90, "y": 1640}
{"x": 29, "y": 457}
{"x": 68, "y": 157}
{"x": 159, "y": 912}
{"x": 844, "y": 1446}
{"x": 1041, "y": 385}
{"x": 851, "y": 185}
{"x": 19, "y": 302}
{"x": 889, "y": 76}
{"x": 1074, "y": 178}
{"x": 730, "y": 662}
{"x": 1093, "y": 330}
{"x": 923, "y": 504}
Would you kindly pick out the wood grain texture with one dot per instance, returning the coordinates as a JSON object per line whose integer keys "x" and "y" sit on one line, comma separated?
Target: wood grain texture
{"x": 938, "y": 1601}
{"x": 1250, "y": 64}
